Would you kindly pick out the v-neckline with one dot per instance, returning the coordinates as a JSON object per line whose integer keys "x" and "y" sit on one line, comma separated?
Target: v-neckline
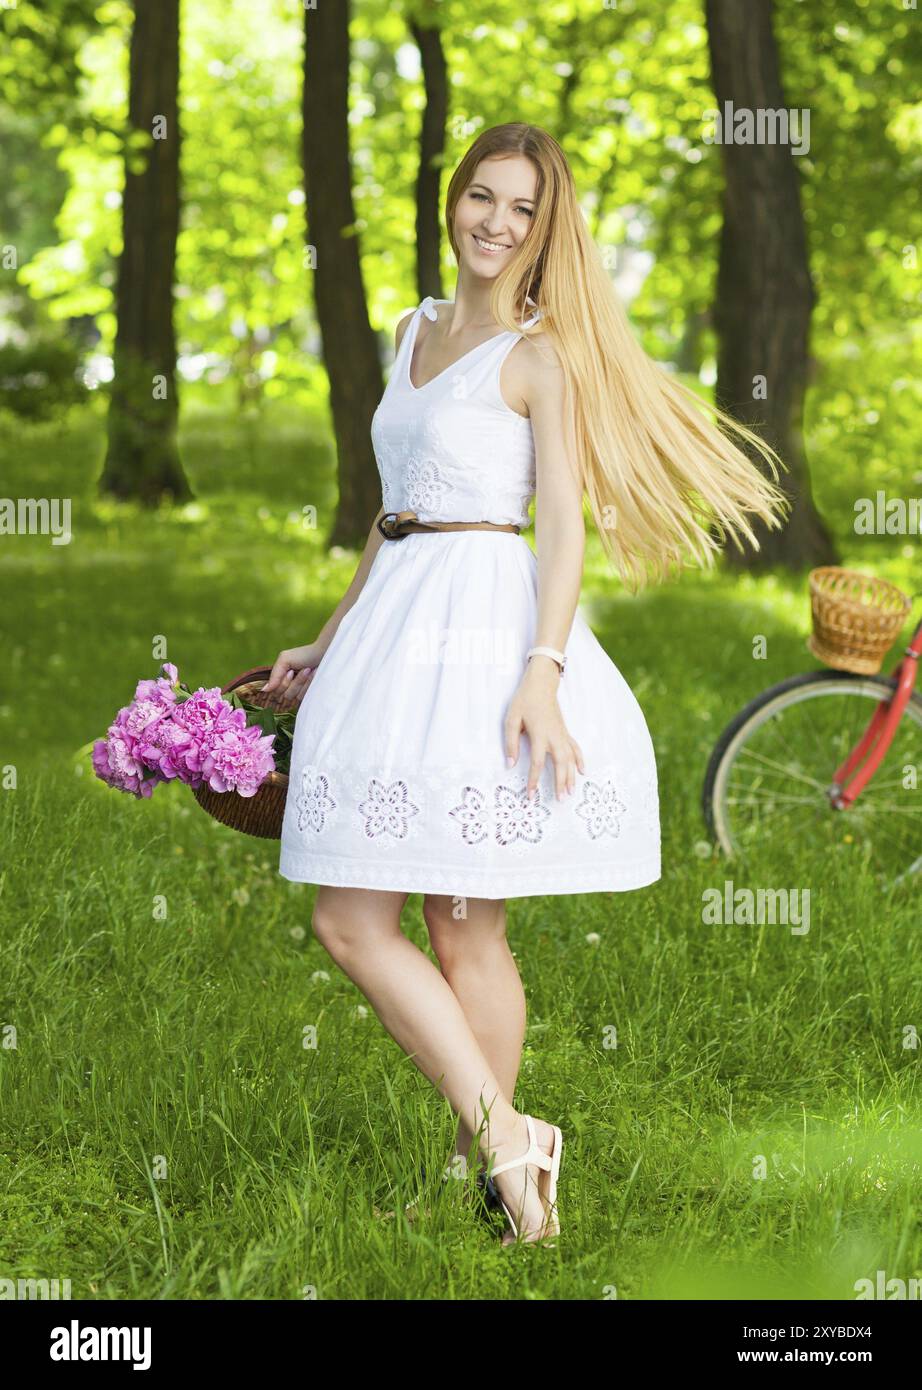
{"x": 451, "y": 365}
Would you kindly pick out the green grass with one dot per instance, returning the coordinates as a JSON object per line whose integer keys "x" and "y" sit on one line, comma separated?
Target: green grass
{"x": 164, "y": 1133}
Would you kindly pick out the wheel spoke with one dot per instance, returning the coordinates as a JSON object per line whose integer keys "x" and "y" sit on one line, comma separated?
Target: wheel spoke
{"x": 764, "y": 786}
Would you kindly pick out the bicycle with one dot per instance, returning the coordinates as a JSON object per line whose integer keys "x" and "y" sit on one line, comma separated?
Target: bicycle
{"x": 808, "y": 750}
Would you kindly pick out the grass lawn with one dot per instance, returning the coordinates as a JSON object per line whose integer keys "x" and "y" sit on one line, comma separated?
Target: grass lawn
{"x": 739, "y": 1102}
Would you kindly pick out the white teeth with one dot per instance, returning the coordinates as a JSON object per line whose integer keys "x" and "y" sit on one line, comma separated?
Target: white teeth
{"x": 489, "y": 245}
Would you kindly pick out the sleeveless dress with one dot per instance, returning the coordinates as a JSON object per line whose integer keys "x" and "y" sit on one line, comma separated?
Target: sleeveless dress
{"x": 398, "y": 774}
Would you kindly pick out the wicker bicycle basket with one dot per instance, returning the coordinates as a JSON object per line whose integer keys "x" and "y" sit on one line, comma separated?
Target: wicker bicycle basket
{"x": 259, "y": 815}
{"x": 856, "y": 618}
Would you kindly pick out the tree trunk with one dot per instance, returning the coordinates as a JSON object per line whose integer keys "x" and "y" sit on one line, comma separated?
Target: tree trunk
{"x": 350, "y": 347}
{"x": 142, "y": 458}
{"x": 764, "y": 292}
{"x": 428, "y": 38}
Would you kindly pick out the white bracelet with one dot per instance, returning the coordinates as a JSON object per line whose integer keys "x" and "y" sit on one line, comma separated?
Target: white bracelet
{"x": 559, "y": 657}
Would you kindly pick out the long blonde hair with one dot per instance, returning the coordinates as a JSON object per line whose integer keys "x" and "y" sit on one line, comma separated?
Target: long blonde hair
{"x": 660, "y": 478}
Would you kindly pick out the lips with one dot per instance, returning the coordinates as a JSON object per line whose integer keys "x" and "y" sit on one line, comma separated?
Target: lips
{"x": 491, "y": 249}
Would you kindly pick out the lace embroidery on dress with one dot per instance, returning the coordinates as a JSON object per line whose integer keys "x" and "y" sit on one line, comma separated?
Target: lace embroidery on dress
{"x": 472, "y": 816}
{"x": 600, "y": 808}
{"x": 425, "y": 485}
{"x": 387, "y": 809}
{"x": 313, "y": 800}
{"x": 382, "y": 808}
{"x": 515, "y": 817}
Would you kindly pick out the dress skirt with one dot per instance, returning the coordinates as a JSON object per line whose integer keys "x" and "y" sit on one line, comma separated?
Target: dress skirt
{"x": 399, "y": 778}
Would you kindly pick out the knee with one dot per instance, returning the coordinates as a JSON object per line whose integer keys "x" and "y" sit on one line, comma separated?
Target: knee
{"x": 442, "y": 926}
{"x": 455, "y": 933}
{"x": 349, "y": 927}
{"x": 333, "y": 929}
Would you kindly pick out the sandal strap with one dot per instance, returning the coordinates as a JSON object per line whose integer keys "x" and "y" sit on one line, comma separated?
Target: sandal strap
{"x": 532, "y": 1155}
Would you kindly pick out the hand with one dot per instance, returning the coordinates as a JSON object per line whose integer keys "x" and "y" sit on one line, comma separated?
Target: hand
{"x": 291, "y": 675}
{"x": 534, "y": 708}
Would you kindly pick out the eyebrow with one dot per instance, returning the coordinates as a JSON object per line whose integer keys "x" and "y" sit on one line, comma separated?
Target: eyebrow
{"x": 490, "y": 190}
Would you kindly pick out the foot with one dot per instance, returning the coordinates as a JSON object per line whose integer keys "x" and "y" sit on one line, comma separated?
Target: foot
{"x": 520, "y": 1192}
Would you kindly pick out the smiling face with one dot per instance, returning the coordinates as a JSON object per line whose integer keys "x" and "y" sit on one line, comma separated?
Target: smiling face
{"x": 494, "y": 213}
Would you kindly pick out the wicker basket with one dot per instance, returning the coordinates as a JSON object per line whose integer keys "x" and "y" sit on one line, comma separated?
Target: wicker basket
{"x": 856, "y": 618}
{"x": 259, "y": 815}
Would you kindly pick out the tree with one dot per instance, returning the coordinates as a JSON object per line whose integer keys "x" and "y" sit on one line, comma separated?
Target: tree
{"x": 142, "y": 460}
{"x": 765, "y": 295}
{"x": 428, "y": 38}
{"x": 350, "y": 348}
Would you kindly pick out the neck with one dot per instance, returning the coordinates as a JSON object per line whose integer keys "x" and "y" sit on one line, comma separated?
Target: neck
{"x": 472, "y": 306}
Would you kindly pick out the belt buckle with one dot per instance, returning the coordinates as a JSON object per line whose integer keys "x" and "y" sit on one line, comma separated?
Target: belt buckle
{"x": 382, "y": 527}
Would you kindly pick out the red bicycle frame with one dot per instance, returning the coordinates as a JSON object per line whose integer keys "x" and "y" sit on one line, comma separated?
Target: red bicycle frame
{"x": 879, "y": 734}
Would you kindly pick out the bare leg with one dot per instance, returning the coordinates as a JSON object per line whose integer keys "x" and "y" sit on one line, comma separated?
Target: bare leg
{"x": 360, "y": 928}
{"x": 468, "y": 937}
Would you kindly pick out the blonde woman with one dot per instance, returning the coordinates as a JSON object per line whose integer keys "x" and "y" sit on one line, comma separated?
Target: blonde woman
{"x": 461, "y": 733}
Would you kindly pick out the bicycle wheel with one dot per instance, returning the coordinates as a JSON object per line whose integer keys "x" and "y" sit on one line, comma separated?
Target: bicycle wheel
{"x": 771, "y": 769}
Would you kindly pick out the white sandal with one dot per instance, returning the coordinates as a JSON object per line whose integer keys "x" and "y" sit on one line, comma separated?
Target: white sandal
{"x": 548, "y": 1163}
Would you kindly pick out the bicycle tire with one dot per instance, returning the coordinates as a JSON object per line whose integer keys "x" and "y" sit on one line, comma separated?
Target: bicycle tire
{"x": 886, "y": 685}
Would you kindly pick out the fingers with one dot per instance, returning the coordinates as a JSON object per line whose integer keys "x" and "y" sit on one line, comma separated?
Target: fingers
{"x": 564, "y": 770}
{"x": 511, "y": 732}
{"x": 567, "y": 758}
{"x": 278, "y": 672}
{"x": 278, "y": 698}
{"x": 535, "y": 768}
{"x": 298, "y": 687}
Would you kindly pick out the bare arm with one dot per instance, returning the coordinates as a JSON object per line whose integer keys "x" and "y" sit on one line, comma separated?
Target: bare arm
{"x": 560, "y": 536}
{"x": 294, "y": 667}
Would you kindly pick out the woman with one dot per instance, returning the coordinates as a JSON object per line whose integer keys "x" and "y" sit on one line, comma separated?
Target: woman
{"x": 409, "y": 772}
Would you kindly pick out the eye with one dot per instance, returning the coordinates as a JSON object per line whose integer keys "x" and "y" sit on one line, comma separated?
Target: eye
{"x": 484, "y": 198}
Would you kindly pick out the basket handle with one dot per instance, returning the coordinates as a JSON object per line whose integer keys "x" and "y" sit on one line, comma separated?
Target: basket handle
{"x": 256, "y": 671}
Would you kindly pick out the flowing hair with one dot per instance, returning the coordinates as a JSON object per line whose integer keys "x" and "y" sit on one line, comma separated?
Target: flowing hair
{"x": 660, "y": 478}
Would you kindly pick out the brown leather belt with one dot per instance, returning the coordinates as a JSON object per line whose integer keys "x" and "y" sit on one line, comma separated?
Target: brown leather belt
{"x": 404, "y": 523}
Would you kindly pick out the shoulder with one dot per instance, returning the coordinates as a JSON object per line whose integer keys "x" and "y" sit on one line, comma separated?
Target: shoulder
{"x": 533, "y": 372}
{"x": 539, "y": 356}
{"x": 402, "y": 327}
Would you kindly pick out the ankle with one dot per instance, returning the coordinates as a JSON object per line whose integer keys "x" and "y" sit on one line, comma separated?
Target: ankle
{"x": 506, "y": 1143}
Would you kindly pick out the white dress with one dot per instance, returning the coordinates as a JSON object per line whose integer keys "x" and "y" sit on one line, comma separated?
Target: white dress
{"x": 398, "y": 770}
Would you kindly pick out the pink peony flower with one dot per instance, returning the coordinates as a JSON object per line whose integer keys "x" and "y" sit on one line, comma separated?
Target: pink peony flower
{"x": 158, "y": 738}
{"x": 135, "y": 719}
{"x": 163, "y": 746}
{"x": 206, "y": 713}
{"x": 115, "y": 761}
{"x": 161, "y": 690}
{"x": 239, "y": 760}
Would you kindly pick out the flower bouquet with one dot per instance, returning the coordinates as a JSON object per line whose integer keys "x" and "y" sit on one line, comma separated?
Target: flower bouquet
{"x": 233, "y": 753}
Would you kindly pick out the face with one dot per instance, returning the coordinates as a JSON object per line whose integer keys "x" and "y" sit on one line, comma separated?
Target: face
{"x": 494, "y": 213}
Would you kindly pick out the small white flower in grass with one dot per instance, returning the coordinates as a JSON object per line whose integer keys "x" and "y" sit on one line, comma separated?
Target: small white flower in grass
{"x": 297, "y": 933}
{"x": 319, "y": 975}
{"x": 593, "y": 938}
{"x": 702, "y": 849}
{"x": 241, "y": 896}
{"x": 361, "y": 1010}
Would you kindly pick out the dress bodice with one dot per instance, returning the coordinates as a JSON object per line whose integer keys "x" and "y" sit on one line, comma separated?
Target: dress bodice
{"x": 452, "y": 449}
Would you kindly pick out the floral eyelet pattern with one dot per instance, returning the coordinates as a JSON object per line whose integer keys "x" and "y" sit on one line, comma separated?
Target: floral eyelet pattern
{"x": 601, "y": 808}
{"x": 514, "y": 816}
{"x": 313, "y": 801}
{"x": 361, "y": 823}
{"x": 425, "y": 485}
{"x": 471, "y": 815}
{"x": 387, "y": 809}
